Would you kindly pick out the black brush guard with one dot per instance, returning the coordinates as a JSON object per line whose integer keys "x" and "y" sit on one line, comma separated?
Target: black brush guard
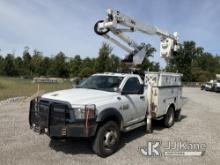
{"x": 56, "y": 119}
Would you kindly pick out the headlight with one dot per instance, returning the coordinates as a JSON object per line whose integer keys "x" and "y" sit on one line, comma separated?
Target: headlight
{"x": 85, "y": 112}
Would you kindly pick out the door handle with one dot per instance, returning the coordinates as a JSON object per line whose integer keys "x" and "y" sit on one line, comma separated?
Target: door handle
{"x": 142, "y": 97}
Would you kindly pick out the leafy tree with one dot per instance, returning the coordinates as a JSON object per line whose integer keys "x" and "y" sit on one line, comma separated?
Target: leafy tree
{"x": 182, "y": 60}
{"x": 149, "y": 51}
{"x": 102, "y": 62}
{"x": 19, "y": 66}
{"x": 147, "y": 64}
{"x": 45, "y": 65}
{"x": 59, "y": 67}
{"x": 207, "y": 62}
{"x": 87, "y": 62}
{"x": 1, "y": 65}
{"x": 36, "y": 64}
{"x": 200, "y": 75}
{"x": 27, "y": 62}
{"x": 9, "y": 66}
{"x": 114, "y": 63}
{"x": 85, "y": 72}
{"x": 217, "y": 70}
{"x": 75, "y": 66}
{"x": 194, "y": 63}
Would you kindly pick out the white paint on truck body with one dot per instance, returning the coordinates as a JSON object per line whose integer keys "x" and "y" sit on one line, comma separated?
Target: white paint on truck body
{"x": 166, "y": 90}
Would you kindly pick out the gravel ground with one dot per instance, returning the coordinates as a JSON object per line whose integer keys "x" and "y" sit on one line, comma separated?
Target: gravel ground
{"x": 200, "y": 124}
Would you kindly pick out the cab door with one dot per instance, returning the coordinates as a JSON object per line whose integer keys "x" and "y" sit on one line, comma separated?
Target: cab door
{"x": 132, "y": 95}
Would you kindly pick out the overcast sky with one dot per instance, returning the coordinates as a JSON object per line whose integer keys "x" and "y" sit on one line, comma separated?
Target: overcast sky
{"x": 67, "y": 25}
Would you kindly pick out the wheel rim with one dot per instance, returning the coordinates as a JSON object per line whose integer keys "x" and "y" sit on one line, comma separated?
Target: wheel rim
{"x": 110, "y": 138}
{"x": 171, "y": 118}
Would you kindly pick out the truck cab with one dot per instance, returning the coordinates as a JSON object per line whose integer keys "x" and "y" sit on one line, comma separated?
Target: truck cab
{"x": 102, "y": 106}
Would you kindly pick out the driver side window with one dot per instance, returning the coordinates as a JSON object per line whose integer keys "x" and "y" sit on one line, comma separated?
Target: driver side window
{"x": 132, "y": 86}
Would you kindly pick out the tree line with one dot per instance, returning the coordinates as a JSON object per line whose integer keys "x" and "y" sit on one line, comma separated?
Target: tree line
{"x": 192, "y": 61}
{"x": 36, "y": 64}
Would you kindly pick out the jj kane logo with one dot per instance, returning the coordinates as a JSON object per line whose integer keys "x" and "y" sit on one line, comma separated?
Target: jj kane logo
{"x": 177, "y": 148}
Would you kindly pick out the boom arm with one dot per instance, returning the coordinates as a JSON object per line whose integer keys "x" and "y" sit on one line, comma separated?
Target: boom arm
{"x": 119, "y": 23}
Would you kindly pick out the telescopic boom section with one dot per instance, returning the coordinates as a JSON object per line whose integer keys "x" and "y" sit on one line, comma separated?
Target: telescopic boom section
{"x": 118, "y": 24}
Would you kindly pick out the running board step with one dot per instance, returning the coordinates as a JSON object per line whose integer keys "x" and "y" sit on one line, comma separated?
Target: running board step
{"x": 131, "y": 127}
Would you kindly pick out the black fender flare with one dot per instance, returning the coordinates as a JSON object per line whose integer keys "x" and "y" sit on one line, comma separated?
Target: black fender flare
{"x": 169, "y": 105}
{"x": 109, "y": 112}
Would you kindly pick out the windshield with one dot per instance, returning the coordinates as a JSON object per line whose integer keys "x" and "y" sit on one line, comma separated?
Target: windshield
{"x": 102, "y": 82}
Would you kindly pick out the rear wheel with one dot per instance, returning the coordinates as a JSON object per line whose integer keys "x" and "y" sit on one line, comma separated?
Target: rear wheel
{"x": 169, "y": 117}
{"x": 107, "y": 139}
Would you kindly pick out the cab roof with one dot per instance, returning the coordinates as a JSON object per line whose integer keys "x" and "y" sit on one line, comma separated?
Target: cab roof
{"x": 115, "y": 74}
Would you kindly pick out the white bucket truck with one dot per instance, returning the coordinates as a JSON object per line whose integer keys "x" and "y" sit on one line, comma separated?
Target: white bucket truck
{"x": 106, "y": 104}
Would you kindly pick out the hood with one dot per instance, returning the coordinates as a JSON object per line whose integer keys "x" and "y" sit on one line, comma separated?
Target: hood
{"x": 80, "y": 96}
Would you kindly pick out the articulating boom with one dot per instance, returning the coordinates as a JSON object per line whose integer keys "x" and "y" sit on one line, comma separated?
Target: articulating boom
{"x": 118, "y": 23}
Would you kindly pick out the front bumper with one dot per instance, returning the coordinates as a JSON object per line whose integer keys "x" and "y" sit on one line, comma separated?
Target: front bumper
{"x": 56, "y": 119}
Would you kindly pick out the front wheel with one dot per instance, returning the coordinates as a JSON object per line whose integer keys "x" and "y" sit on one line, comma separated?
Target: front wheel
{"x": 107, "y": 138}
{"x": 169, "y": 118}
{"x": 178, "y": 115}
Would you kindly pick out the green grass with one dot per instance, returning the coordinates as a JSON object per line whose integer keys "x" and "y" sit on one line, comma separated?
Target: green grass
{"x": 13, "y": 87}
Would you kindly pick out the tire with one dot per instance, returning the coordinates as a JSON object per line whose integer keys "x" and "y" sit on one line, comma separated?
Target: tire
{"x": 178, "y": 115}
{"x": 169, "y": 117}
{"x": 107, "y": 138}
